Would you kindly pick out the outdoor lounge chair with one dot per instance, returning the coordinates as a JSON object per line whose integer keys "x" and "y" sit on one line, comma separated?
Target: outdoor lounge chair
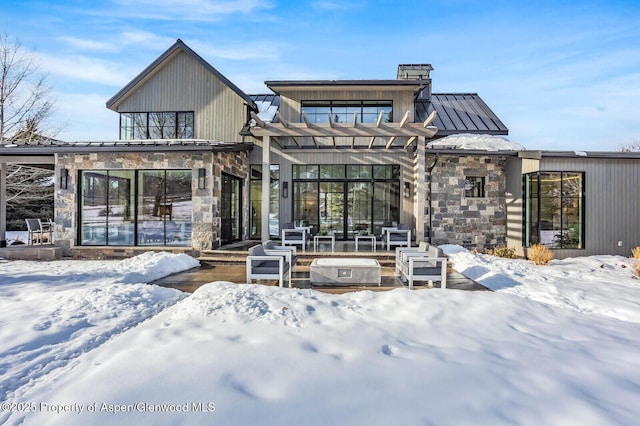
{"x": 37, "y": 229}
{"x": 263, "y": 266}
{"x": 426, "y": 269}
{"x": 295, "y": 235}
{"x": 403, "y": 253}
{"x": 400, "y": 236}
{"x": 429, "y": 265}
{"x": 271, "y": 248}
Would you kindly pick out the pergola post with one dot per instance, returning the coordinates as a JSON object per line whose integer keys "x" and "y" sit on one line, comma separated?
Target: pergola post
{"x": 420, "y": 187}
{"x": 3, "y": 204}
{"x": 266, "y": 186}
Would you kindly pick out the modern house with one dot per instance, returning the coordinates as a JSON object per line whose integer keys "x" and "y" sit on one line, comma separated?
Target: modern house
{"x": 200, "y": 164}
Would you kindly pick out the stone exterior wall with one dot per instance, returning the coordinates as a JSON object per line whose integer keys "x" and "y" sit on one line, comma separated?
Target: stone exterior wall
{"x": 206, "y": 202}
{"x": 478, "y": 223}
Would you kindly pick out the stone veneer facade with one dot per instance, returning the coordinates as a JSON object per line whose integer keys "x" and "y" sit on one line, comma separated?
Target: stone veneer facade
{"x": 475, "y": 223}
{"x": 206, "y": 221}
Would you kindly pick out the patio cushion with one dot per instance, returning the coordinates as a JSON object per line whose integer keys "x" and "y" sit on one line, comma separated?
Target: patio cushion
{"x": 435, "y": 251}
{"x": 426, "y": 270}
{"x": 270, "y": 245}
{"x": 257, "y": 251}
{"x": 269, "y": 267}
{"x": 395, "y": 236}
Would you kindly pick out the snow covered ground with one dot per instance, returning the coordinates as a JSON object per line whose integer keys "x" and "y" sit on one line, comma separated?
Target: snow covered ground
{"x": 87, "y": 343}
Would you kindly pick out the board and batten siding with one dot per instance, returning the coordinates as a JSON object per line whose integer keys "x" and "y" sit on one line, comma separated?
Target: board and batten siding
{"x": 612, "y": 211}
{"x": 184, "y": 84}
{"x": 291, "y": 104}
{"x": 611, "y": 208}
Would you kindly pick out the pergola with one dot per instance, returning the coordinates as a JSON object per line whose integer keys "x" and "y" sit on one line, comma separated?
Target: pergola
{"x": 364, "y": 133}
{"x": 332, "y": 135}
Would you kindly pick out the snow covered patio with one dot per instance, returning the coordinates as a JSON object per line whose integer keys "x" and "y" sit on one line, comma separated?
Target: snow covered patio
{"x": 88, "y": 342}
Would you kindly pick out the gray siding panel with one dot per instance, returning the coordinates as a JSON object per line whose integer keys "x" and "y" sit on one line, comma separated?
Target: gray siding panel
{"x": 184, "y": 84}
{"x": 612, "y": 194}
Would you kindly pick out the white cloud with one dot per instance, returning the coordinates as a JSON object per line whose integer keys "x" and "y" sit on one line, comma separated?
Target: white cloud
{"x": 147, "y": 39}
{"x": 190, "y": 10}
{"x": 87, "y": 117}
{"x": 87, "y": 44}
{"x": 85, "y": 68}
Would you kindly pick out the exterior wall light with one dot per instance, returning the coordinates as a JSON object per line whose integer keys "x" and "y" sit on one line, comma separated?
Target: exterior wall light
{"x": 202, "y": 178}
{"x": 285, "y": 189}
{"x": 64, "y": 178}
{"x": 407, "y": 190}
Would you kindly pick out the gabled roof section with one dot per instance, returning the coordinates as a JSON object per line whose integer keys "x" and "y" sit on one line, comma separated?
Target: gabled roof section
{"x": 161, "y": 61}
{"x": 460, "y": 113}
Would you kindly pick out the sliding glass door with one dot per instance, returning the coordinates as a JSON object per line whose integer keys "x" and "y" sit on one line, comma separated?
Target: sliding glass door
{"x": 346, "y": 200}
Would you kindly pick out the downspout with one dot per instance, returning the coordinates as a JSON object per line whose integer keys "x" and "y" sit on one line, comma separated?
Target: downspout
{"x": 429, "y": 170}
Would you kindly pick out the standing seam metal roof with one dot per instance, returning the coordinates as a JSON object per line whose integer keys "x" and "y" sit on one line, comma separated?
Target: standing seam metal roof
{"x": 457, "y": 113}
{"x": 460, "y": 113}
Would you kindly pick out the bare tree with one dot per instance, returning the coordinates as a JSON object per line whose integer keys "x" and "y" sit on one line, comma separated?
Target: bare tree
{"x": 632, "y": 147}
{"x": 25, "y": 103}
{"x": 25, "y": 108}
{"x": 29, "y": 184}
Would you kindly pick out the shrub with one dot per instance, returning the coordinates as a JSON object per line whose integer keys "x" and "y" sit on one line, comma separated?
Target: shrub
{"x": 540, "y": 254}
{"x": 502, "y": 251}
{"x": 635, "y": 261}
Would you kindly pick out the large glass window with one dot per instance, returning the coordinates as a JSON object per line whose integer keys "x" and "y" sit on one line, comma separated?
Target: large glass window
{"x": 554, "y": 209}
{"x": 343, "y": 111}
{"x": 156, "y": 125}
{"x": 128, "y": 207}
{"x": 346, "y": 200}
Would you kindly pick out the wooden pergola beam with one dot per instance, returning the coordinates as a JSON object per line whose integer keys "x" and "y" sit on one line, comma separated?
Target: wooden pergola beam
{"x": 306, "y": 121}
{"x": 379, "y": 120}
{"x": 332, "y": 129}
{"x": 257, "y": 119}
{"x": 430, "y": 118}
{"x": 410, "y": 141}
{"x": 390, "y": 142}
{"x": 405, "y": 119}
{"x": 284, "y": 122}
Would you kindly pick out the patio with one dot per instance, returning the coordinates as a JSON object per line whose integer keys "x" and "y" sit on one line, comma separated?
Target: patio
{"x": 228, "y": 264}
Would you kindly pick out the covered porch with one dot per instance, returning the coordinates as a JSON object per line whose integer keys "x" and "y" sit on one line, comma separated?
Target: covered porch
{"x": 337, "y": 205}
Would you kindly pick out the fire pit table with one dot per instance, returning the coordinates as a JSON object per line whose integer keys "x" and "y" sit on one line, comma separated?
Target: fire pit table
{"x": 344, "y": 271}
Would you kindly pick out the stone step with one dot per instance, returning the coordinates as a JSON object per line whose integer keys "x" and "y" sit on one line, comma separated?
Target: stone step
{"x": 304, "y": 258}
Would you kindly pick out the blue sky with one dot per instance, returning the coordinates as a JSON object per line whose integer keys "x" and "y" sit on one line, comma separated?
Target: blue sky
{"x": 560, "y": 74}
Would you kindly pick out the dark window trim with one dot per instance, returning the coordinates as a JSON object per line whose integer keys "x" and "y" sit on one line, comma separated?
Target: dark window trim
{"x": 473, "y": 180}
{"x": 361, "y": 103}
{"x": 583, "y": 196}
{"x": 136, "y": 172}
{"x": 147, "y": 134}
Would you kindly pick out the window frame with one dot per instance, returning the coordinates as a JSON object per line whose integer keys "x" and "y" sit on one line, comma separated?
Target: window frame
{"x": 140, "y": 127}
{"x": 135, "y": 218}
{"x": 346, "y": 108}
{"x": 474, "y": 187}
{"x": 532, "y": 228}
